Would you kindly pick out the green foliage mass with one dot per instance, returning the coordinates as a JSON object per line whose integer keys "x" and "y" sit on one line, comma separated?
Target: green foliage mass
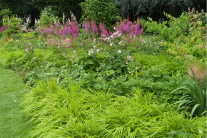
{"x": 104, "y": 10}
{"x": 80, "y": 113}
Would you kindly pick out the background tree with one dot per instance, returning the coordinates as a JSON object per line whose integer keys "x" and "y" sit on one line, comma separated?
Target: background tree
{"x": 155, "y": 8}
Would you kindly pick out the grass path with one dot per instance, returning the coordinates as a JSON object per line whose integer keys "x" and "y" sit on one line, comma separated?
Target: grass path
{"x": 12, "y": 122}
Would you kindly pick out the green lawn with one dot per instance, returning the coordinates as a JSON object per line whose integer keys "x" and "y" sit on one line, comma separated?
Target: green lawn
{"x": 12, "y": 123}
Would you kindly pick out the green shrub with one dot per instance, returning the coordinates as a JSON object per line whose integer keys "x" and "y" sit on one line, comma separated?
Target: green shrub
{"x": 104, "y": 10}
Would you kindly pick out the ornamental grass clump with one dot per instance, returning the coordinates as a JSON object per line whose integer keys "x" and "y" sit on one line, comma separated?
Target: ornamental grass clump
{"x": 75, "y": 112}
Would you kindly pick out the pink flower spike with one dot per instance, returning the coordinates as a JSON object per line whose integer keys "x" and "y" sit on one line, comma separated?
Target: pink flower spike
{"x": 38, "y": 30}
{"x": 51, "y": 27}
{"x": 110, "y": 32}
{"x": 127, "y": 39}
{"x": 87, "y": 27}
{"x": 45, "y": 30}
{"x": 48, "y": 30}
{"x": 56, "y": 32}
{"x": 101, "y": 26}
{"x": 57, "y": 26}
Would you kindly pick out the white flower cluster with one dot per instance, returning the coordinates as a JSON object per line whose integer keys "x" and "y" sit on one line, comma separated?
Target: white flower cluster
{"x": 93, "y": 50}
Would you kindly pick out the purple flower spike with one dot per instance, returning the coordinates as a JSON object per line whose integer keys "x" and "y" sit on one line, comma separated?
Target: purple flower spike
{"x": 51, "y": 27}
{"x": 121, "y": 26}
{"x": 127, "y": 39}
{"x": 26, "y": 31}
{"x": 45, "y": 30}
{"x": 48, "y": 30}
{"x": 38, "y": 30}
{"x": 132, "y": 34}
{"x": 56, "y": 33}
{"x": 57, "y": 26}
{"x": 110, "y": 32}
{"x": 60, "y": 32}
{"x": 101, "y": 27}
{"x": 87, "y": 27}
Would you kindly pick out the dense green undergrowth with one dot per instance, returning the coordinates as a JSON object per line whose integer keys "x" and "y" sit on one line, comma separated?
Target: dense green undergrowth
{"x": 79, "y": 113}
{"x": 117, "y": 86}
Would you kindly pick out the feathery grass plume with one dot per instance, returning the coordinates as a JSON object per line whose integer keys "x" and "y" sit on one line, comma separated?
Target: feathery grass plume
{"x": 87, "y": 26}
{"x": 38, "y": 30}
{"x": 51, "y": 27}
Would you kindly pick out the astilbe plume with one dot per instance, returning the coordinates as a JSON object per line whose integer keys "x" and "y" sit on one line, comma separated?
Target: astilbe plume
{"x": 48, "y": 30}
{"x": 87, "y": 27}
{"x": 57, "y": 26}
{"x": 51, "y": 27}
{"x": 110, "y": 32}
{"x": 38, "y": 30}
{"x": 94, "y": 28}
{"x": 101, "y": 26}
{"x": 45, "y": 30}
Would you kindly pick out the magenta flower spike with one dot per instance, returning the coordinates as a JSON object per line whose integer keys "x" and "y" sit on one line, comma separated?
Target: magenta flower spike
{"x": 31, "y": 30}
{"x": 57, "y": 26}
{"x": 127, "y": 39}
{"x": 26, "y": 31}
{"x": 117, "y": 28}
{"x": 51, "y": 27}
{"x": 132, "y": 34}
{"x": 48, "y": 30}
{"x": 38, "y": 30}
{"x": 101, "y": 26}
{"x": 121, "y": 26}
{"x": 72, "y": 23}
{"x": 110, "y": 32}
{"x": 45, "y": 30}
{"x": 56, "y": 33}
{"x": 87, "y": 27}
{"x": 60, "y": 32}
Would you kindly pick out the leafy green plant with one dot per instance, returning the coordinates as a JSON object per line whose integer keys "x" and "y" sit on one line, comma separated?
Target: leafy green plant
{"x": 47, "y": 17}
{"x": 13, "y": 24}
{"x": 105, "y": 11}
{"x": 195, "y": 99}
{"x": 76, "y": 112}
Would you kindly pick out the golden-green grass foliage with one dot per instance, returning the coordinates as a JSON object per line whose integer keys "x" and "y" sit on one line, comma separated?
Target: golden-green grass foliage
{"x": 78, "y": 113}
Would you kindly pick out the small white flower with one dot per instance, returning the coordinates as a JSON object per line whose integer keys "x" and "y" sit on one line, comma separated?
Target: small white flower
{"x": 94, "y": 46}
{"x": 58, "y": 79}
{"x": 111, "y": 44}
{"x": 98, "y": 50}
{"x": 15, "y": 100}
{"x": 120, "y": 42}
{"x": 74, "y": 51}
{"x": 119, "y": 51}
